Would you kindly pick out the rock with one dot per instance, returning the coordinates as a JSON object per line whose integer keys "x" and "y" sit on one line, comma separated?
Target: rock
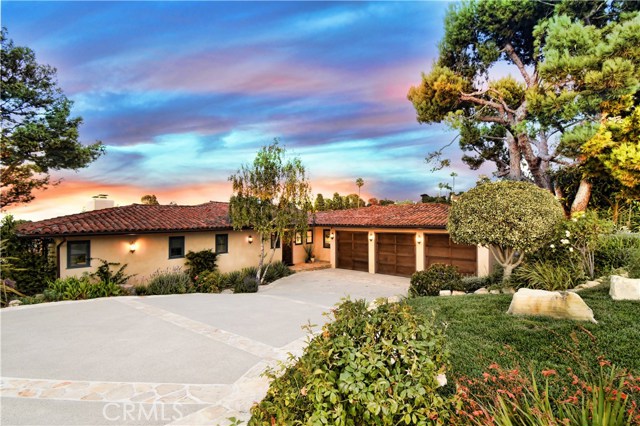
{"x": 381, "y": 301}
{"x": 227, "y": 291}
{"x": 458, "y": 293}
{"x": 15, "y": 302}
{"x": 588, "y": 284}
{"x": 508, "y": 290}
{"x": 554, "y": 304}
{"x": 494, "y": 291}
{"x": 624, "y": 288}
{"x": 445, "y": 292}
{"x": 481, "y": 291}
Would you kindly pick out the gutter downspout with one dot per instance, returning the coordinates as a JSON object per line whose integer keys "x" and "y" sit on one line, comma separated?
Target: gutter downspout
{"x": 64, "y": 240}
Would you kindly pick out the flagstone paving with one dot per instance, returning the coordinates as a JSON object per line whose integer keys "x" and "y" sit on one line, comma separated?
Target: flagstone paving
{"x": 190, "y": 359}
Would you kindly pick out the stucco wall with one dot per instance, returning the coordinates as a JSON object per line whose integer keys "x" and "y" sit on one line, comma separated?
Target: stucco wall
{"x": 152, "y": 252}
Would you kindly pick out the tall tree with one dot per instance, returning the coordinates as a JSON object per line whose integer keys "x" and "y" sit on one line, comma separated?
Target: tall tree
{"x": 38, "y": 134}
{"x": 572, "y": 60}
{"x": 359, "y": 183}
{"x": 150, "y": 199}
{"x": 337, "y": 202}
{"x": 272, "y": 195}
{"x": 319, "y": 204}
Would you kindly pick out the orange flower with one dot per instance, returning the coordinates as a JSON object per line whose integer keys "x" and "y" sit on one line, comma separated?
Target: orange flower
{"x": 547, "y": 373}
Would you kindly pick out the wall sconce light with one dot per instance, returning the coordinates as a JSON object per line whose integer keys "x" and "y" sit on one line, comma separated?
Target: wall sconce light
{"x": 133, "y": 246}
{"x": 332, "y": 235}
{"x": 250, "y": 239}
{"x": 371, "y": 236}
{"x": 418, "y": 239}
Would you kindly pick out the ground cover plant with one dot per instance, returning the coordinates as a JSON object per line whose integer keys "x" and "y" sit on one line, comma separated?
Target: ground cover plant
{"x": 72, "y": 288}
{"x": 480, "y": 333}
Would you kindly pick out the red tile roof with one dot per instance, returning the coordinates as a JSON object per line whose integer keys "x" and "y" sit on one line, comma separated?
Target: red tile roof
{"x": 420, "y": 215}
{"x": 135, "y": 218}
{"x": 141, "y": 218}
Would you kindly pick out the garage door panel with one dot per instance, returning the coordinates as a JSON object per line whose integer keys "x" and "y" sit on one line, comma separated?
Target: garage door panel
{"x": 352, "y": 251}
{"x": 440, "y": 249}
{"x": 395, "y": 254}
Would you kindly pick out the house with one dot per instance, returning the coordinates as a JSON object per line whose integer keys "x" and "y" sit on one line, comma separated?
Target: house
{"x": 396, "y": 239}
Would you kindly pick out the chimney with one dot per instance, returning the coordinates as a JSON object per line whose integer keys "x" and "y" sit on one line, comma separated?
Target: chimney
{"x": 99, "y": 202}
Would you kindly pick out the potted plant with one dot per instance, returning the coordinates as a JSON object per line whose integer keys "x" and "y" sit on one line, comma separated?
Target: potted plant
{"x": 308, "y": 249}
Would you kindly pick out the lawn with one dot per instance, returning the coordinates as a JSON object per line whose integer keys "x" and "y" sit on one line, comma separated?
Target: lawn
{"x": 479, "y": 332}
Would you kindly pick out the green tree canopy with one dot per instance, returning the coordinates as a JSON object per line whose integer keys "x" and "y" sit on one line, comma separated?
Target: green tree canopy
{"x": 572, "y": 61}
{"x": 149, "y": 199}
{"x": 510, "y": 218}
{"x": 271, "y": 196}
{"x": 38, "y": 134}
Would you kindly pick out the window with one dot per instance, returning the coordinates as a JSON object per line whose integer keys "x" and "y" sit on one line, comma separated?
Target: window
{"x": 326, "y": 238}
{"x": 78, "y": 254}
{"x": 298, "y": 238}
{"x": 222, "y": 243}
{"x": 176, "y": 247}
{"x": 275, "y": 241}
{"x": 310, "y": 236}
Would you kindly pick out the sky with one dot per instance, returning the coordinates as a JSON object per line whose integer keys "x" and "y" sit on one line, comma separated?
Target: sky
{"x": 183, "y": 93}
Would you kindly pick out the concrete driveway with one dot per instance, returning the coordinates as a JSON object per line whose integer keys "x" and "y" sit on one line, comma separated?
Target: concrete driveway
{"x": 181, "y": 359}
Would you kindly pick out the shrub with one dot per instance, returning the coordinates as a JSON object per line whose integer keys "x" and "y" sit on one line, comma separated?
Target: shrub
{"x": 548, "y": 276}
{"x": 105, "y": 275}
{"x": 511, "y": 218}
{"x": 471, "y": 284}
{"x": 199, "y": 262}
{"x": 208, "y": 282}
{"x": 231, "y": 279}
{"x": 73, "y": 288}
{"x": 140, "y": 290}
{"x": 617, "y": 251}
{"x": 434, "y": 279}
{"x": 32, "y": 268}
{"x": 169, "y": 282}
{"x": 249, "y": 284}
{"x": 276, "y": 271}
{"x": 366, "y": 367}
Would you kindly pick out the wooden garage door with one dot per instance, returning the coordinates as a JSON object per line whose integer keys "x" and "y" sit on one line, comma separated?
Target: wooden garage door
{"x": 396, "y": 254}
{"x": 353, "y": 250}
{"x": 440, "y": 249}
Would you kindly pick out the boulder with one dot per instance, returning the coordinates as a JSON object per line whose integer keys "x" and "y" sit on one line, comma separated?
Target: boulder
{"x": 458, "y": 293}
{"x": 482, "y": 290}
{"x": 624, "y": 288}
{"x": 508, "y": 290}
{"x": 554, "y": 304}
{"x": 15, "y": 302}
{"x": 445, "y": 292}
{"x": 495, "y": 291}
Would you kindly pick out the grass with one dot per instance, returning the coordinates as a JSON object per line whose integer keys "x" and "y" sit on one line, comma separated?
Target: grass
{"x": 479, "y": 332}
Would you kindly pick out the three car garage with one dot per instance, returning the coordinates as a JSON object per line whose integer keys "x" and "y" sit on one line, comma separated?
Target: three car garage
{"x": 396, "y": 240}
{"x": 395, "y": 252}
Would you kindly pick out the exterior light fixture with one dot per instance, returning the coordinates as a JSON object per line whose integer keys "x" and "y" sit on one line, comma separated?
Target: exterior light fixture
{"x": 371, "y": 236}
{"x": 418, "y": 239}
{"x": 333, "y": 235}
{"x": 133, "y": 246}
{"x": 250, "y": 239}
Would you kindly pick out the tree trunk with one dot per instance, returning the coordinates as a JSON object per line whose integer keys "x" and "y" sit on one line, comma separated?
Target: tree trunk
{"x": 259, "y": 274}
{"x": 515, "y": 158}
{"x": 582, "y": 197}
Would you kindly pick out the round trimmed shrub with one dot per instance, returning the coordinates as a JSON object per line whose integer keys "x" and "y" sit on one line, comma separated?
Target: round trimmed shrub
{"x": 511, "y": 218}
{"x": 437, "y": 277}
{"x": 368, "y": 367}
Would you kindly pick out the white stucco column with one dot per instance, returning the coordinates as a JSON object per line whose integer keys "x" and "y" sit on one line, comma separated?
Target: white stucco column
{"x": 332, "y": 255}
{"x": 484, "y": 261}
{"x": 420, "y": 251}
{"x": 372, "y": 252}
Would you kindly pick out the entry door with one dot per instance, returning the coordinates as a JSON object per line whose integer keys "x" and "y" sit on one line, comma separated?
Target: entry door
{"x": 287, "y": 251}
